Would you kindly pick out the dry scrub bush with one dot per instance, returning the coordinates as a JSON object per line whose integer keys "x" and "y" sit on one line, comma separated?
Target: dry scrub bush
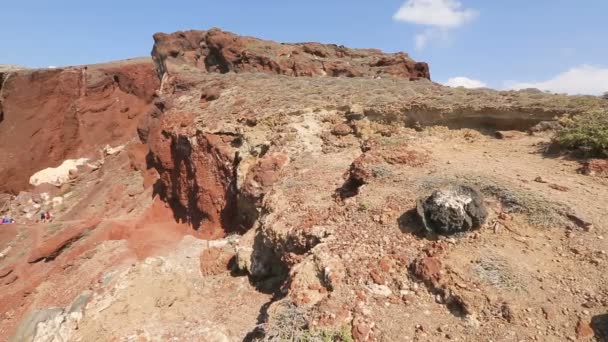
{"x": 291, "y": 324}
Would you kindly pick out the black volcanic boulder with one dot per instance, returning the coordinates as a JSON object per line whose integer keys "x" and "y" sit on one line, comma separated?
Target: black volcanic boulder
{"x": 452, "y": 210}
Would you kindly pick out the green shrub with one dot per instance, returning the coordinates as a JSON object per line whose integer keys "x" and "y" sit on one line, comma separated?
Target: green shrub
{"x": 588, "y": 131}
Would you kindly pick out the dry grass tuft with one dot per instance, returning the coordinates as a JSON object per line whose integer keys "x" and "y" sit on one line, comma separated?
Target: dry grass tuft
{"x": 291, "y": 324}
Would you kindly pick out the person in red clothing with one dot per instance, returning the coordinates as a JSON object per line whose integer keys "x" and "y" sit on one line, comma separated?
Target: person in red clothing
{"x": 47, "y": 216}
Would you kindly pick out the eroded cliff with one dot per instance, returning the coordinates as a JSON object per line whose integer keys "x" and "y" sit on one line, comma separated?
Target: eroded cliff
{"x": 49, "y": 115}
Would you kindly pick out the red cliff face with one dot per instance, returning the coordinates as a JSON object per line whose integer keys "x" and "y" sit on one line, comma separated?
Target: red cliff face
{"x": 219, "y": 51}
{"x": 49, "y": 115}
{"x": 197, "y": 179}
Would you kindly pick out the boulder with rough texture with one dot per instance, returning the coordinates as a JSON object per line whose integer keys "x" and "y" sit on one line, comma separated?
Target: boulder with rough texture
{"x": 452, "y": 210}
{"x": 220, "y": 51}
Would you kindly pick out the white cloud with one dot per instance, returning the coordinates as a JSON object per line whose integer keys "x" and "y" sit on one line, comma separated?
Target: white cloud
{"x": 422, "y": 39}
{"x": 439, "y": 16}
{"x": 462, "y": 81}
{"x": 437, "y": 13}
{"x": 584, "y": 79}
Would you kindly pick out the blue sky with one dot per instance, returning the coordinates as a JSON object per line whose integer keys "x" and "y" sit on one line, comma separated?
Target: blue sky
{"x": 555, "y": 44}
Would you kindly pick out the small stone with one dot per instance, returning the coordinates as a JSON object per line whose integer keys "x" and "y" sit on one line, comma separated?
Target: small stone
{"x": 583, "y": 330}
{"x": 595, "y": 261}
{"x": 507, "y": 313}
{"x": 377, "y": 277}
{"x": 559, "y": 187}
{"x": 427, "y": 269}
{"x": 341, "y": 129}
{"x": 380, "y": 290}
{"x": 508, "y": 134}
{"x": 580, "y": 221}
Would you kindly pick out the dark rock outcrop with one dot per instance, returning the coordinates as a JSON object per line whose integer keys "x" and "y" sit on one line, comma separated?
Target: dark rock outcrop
{"x": 452, "y": 210}
{"x": 219, "y": 51}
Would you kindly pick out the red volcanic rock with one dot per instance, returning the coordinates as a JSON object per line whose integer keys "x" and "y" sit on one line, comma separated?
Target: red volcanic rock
{"x": 341, "y": 129}
{"x": 596, "y": 167}
{"x": 219, "y": 51}
{"x": 427, "y": 269}
{"x": 6, "y": 271}
{"x": 10, "y": 279}
{"x": 211, "y": 94}
{"x": 50, "y": 115}
{"x": 197, "y": 175}
{"x": 361, "y": 170}
{"x": 263, "y": 174}
{"x": 54, "y": 246}
{"x": 583, "y": 330}
{"x": 137, "y": 157}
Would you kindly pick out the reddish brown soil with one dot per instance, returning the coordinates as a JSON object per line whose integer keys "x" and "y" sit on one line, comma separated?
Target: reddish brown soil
{"x": 8, "y": 232}
{"x": 156, "y": 232}
{"x": 57, "y": 262}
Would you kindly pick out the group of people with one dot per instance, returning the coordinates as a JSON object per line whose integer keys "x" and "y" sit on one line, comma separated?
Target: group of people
{"x": 45, "y": 216}
{"x": 7, "y": 220}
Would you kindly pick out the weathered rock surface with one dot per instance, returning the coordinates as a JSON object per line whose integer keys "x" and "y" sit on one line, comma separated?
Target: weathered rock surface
{"x": 219, "y": 51}
{"x": 51, "y": 248}
{"x": 197, "y": 178}
{"x": 452, "y": 210}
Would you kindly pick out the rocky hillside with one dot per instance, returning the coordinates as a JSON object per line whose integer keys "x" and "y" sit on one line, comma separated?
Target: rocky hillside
{"x": 219, "y": 51}
{"x": 330, "y": 194}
